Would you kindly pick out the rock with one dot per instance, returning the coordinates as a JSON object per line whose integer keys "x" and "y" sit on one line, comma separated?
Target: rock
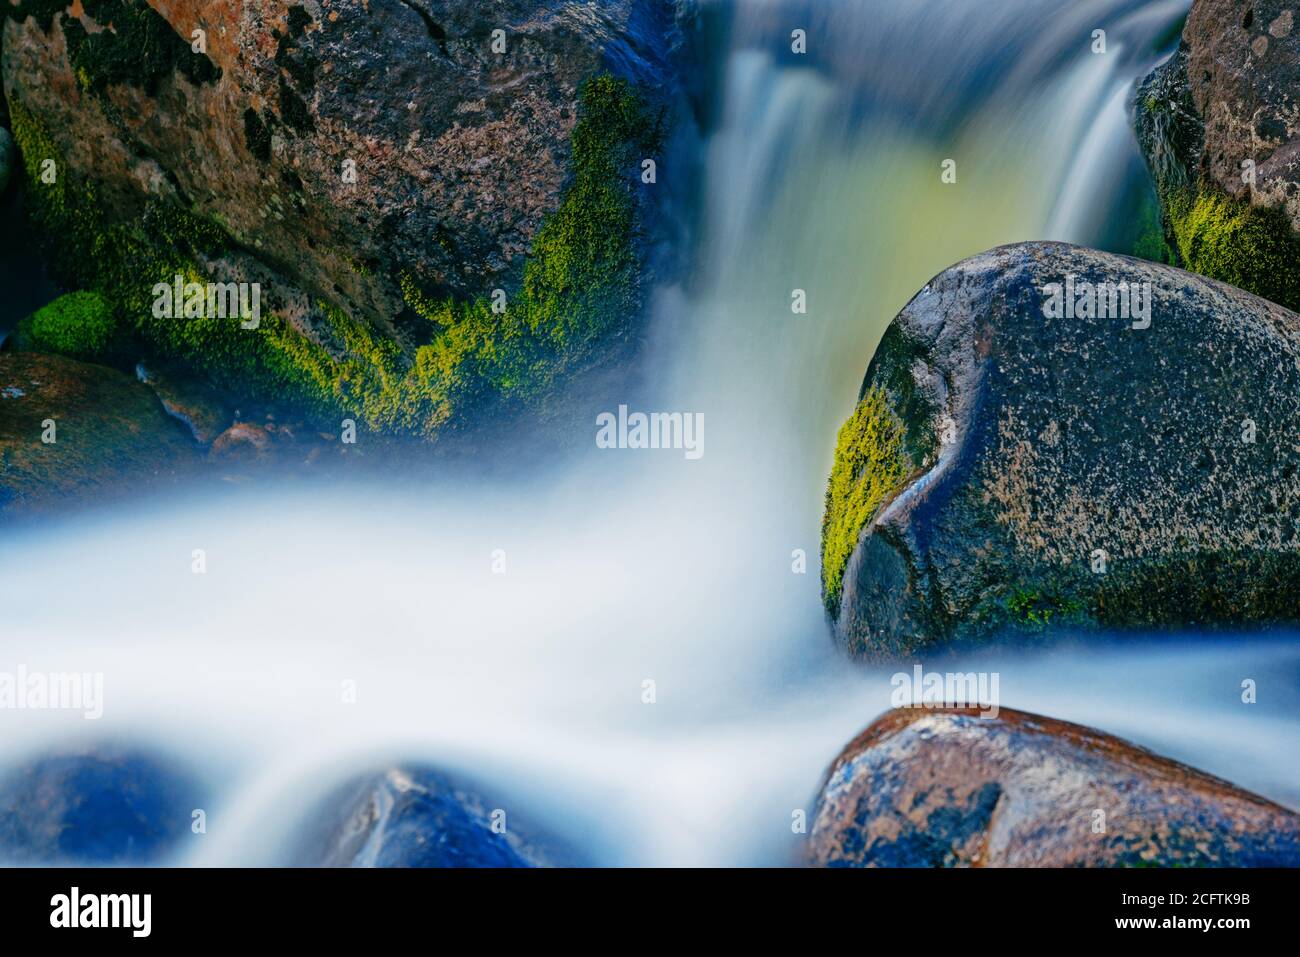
{"x": 377, "y": 167}
{"x": 947, "y": 788}
{"x": 242, "y": 439}
{"x": 100, "y": 806}
{"x": 420, "y": 817}
{"x": 1219, "y": 125}
{"x": 110, "y": 436}
{"x": 6, "y": 157}
{"x": 190, "y": 403}
{"x": 1007, "y": 470}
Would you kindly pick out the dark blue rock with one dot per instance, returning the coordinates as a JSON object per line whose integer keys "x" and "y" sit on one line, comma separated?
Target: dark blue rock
{"x": 421, "y": 817}
{"x": 103, "y": 806}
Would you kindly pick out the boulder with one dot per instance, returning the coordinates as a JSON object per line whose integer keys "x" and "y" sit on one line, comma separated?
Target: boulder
{"x": 421, "y": 817}
{"x": 190, "y": 403}
{"x": 948, "y": 788}
{"x": 377, "y": 167}
{"x": 110, "y": 435}
{"x": 104, "y": 805}
{"x": 1219, "y": 123}
{"x": 1017, "y": 463}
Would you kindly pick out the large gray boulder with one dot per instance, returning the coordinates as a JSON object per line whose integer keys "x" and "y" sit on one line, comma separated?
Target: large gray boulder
{"x": 949, "y": 788}
{"x": 1013, "y": 467}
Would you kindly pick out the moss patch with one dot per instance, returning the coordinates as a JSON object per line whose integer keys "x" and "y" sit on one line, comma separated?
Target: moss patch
{"x": 870, "y": 465}
{"x": 80, "y": 325}
{"x": 1035, "y": 610}
{"x": 1247, "y": 246}
{"x": 581, "y": 286}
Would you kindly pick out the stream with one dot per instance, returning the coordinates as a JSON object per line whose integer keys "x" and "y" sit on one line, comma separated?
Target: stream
{"x": 508, "y": 628}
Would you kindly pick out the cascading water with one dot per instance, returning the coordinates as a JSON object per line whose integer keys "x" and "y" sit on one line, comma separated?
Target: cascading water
{"x": 822, "y": 173}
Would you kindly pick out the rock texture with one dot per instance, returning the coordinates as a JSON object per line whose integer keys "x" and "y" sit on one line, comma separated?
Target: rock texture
{"x": 951, "y": 789}
{"x": 1236, "y": 78}
{"x": 1030, "y": 471}
{"x": 420, "y": 817}
{"x": 376, "y": 166}
{"x": 1219, "y": 123}
{"x": 111, "y": 435}
{"x": 101, "y": 806}
{"x": 459, "y": 152}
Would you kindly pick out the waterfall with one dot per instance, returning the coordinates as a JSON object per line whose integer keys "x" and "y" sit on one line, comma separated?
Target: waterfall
{"x": 821, "y": 173}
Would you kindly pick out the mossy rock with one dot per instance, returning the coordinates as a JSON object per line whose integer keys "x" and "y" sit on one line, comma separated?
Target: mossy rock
{"x": 582, "y": 286}
{"x": 80, "y": 325}
{"x": 1215, "y": 122}
{"x": 1066, "y": 472}
{"x": 110, "y": 435}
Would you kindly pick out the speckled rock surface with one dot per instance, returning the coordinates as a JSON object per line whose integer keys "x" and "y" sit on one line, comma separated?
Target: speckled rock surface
{"x": 111, "y": 434}
{"x": 1233, "y": 92}
{"x": 420, "y": 817}
{"x": 948, "y": 788}
{"x": 102, "y": 805}
{"x": 459, "y": 151}
{"x": 1079, "y": 470}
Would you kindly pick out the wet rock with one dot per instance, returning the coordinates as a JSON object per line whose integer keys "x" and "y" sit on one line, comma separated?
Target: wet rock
{"x": 1219, "y": 123}
{"x": 377, "y": 168}
{"x": 198, "y": 408}
{"x": 100, "y": 806}
{"x": 107, "y": 435}
{"x": 420, "y": 817}
{"x": 948, "y": 788}
{"x": 1010, "y": 469}
{"x": 242, "y": 440}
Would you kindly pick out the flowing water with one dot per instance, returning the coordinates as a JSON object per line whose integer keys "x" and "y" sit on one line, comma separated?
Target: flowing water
{"x": 820, "y": 173}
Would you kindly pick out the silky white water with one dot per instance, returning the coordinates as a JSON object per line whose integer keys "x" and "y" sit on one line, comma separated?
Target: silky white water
{"x": 508, "y": 627}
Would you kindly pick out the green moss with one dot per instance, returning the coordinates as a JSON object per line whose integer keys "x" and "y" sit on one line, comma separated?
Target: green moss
{"x": 80, "y": 325}
{"x": 1247, "y": 246}
{"x": 1149, "y": 241}
{"x": 581, "y": 284}
{"x": 1033, "y": 609}
{"x": 870, "y": 464}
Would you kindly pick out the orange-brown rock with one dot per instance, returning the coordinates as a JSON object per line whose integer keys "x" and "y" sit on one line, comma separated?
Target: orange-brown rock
{"x": 948, "y": 788}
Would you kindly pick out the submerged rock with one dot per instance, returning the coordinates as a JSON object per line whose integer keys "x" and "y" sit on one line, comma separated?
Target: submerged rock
{"x": 72, "y": 429}
{"x": 101, "y": 806}
{"x": 948, "y": 788}
{"x": 1012, "y": 467}
{"x": 1219, "y": 123}
{"x": 420, "y": 817}
{"x": 190, "y": 403}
